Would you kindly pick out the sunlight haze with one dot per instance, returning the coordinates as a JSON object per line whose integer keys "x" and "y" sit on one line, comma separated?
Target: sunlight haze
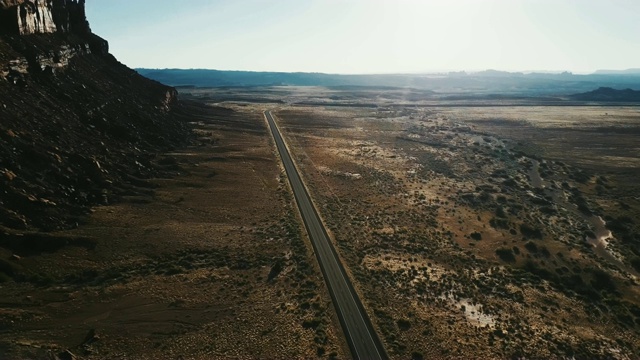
{"x": 371, "y": 36}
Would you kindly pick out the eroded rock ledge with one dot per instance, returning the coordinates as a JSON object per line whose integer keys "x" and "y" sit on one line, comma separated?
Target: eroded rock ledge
{"x": 78, "y": 128}
{"x": 25, "y": 17}
{"x": 19, "y": 18}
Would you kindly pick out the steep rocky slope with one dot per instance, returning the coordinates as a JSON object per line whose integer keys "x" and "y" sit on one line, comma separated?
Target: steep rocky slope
{"x": 77, "y": 128}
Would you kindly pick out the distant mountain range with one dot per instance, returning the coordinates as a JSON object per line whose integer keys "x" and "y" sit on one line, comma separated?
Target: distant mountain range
{"x": 605, "y": 94}
{"x": 618, "y": 72}
{"x": 484, "y": 82}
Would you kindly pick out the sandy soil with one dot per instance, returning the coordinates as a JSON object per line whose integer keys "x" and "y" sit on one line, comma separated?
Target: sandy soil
{"x": 211, "y": 264}
{"x": 466, "y": 229}
{"x": 469, "y": 232}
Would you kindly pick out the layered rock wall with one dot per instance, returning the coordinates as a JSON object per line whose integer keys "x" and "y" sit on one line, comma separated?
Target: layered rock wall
{"x": 5, "y": 4}
{"x": 76, "y": 126}
{"x": 35, "y": 18}
{"x": 25, "y": 17}
{"x": 28, "y": 17}
{"x": 50, "y": 60}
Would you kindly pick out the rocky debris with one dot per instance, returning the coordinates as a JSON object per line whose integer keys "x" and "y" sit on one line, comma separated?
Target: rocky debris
{"x": 91, "y": 337}
{"x": 47, "y": 62}
{"x": 66, "y": 355}
{"x": 89, "y": 340}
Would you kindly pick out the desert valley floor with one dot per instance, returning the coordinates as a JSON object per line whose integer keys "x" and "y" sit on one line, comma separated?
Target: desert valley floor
{"x": 470, "y": 229}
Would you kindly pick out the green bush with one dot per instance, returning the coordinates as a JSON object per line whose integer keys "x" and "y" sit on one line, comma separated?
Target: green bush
{"x": 311, "y": 324}
{"x": 530, "y": 232}
{"x": 4, "y": 277}
{"x": 506, "y": 255}
{"x": 635, "y": 262}
{"x": 404, "y": 324}
{"x": 532, "y": 247}
{"x": 602, "y": 280}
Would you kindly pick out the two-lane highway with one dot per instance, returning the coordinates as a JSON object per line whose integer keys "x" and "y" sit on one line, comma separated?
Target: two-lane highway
{"x": 361, "y": 337}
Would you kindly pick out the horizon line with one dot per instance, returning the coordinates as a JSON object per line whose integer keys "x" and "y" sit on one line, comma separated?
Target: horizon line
{"x": 628, "y": 71}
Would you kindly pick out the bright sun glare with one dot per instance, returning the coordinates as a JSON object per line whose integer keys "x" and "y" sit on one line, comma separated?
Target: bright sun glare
{"x": 360, "y": 36}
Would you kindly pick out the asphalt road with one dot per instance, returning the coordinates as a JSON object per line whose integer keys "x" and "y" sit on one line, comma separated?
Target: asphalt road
{"x": 361, "y": 337}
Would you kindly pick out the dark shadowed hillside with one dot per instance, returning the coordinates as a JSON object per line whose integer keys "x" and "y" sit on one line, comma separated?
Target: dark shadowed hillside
{"x": 605, "y": 94}
{"x": 77, "y": 128}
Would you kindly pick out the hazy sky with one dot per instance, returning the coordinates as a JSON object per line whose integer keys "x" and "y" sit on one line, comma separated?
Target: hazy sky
{"x": 371, "y": 36}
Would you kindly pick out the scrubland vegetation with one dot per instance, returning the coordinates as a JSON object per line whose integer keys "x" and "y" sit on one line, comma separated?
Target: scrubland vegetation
{"x": 478, "y": 236}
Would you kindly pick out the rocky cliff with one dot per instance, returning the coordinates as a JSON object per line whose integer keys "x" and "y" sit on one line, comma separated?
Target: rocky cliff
{"x": 77, "y": 128}
{"x": 21, "y": 21}
{"x": 42, "y": 16}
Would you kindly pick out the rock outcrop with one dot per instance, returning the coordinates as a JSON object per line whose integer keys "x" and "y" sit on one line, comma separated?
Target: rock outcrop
{"x": 35, "y": 18}
{"x": 5, "y": 4}
{"x": 77, "y": 128}
{"x": 43, "y": 16}
{"x": 26, "y": 17}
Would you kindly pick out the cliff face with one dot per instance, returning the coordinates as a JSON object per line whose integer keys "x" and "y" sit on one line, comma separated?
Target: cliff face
{"x": 26, "y": 17}
{"x": 77, "y": 128}
{"x": 42, "y": 16}
{"x": 35, "y": 18}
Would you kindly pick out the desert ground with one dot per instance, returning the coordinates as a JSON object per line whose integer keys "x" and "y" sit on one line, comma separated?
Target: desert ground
{"x": 471, "y": 229}
{"x": 477, "y": 229}
{"x": 211, "y": 263}
{"x": 483, "y": 232}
